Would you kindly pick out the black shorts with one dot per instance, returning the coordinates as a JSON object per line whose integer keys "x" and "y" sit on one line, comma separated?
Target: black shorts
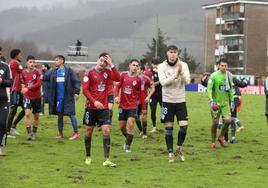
{"x": 139, "y": 110}
{"x": 125, "y": 114}
{"x": 34, "y": 104}
{"x": 111, "y": 99}
{"x": 169, "y": 110}
{"x": 96, "y": 117}
{"x": 44, "y": 100}
{"x": 16, "y": 99}
{"x": 234, "y": 113}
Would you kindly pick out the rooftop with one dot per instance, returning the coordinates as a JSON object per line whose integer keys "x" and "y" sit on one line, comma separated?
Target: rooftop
{"x": 227, "y": 2}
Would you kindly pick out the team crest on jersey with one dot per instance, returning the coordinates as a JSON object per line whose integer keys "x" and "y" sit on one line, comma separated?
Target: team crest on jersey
{"x": 34, "y": 76}
{"x": 2, "y": 71}
{"x": 105, "y": 75}
{"x": 85, "y": 79}
{"x": 134, "y": 83}
{"x": 20, "y": 67}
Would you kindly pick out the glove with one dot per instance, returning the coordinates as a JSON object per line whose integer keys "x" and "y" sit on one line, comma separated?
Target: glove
{"x": 232, "y": 106}
{"x": 214, "y": 105}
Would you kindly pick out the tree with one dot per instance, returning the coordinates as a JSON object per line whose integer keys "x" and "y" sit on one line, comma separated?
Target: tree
{"x": 124, "y": 65}
{"x": 161, "y": 47}
{"x": 189, "y": 59}
{"x": 26, "y": 47}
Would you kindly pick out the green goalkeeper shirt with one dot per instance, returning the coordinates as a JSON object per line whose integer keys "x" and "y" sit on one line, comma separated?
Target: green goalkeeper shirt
{"x": 216, "y": 88}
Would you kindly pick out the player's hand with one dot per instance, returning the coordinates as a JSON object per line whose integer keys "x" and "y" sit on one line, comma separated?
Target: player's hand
{"x": 108, "y": 59}
{"x": 98, "y": 105}
{"x": 24, "y": 90}
{"x": 117, "y": 100}
{"x": 179, "y": 68}
{"x": 213, "y": 105}
{"x": 1, "y": 80}
{"x": 76, "y": 97}
{"x": 147, "y": 99}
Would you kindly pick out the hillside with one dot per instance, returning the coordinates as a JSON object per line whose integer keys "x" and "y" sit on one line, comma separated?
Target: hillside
{"x": 121, "y": 28}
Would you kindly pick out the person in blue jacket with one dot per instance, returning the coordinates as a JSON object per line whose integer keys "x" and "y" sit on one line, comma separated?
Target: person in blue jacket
{"x": 63, "y": 89}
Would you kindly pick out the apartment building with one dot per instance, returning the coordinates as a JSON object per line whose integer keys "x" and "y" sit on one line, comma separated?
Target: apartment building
{"x": 237, "y": 30}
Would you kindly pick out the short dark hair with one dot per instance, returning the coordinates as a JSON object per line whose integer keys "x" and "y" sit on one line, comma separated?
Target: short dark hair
{"x": 104, "y": 54}
{"x": 30, "y": 57}
{"x": 47, "y": 66}
{"x": 155, "y": 61}
{"x": 143, "y": 61}
{"x": 172, "y": 47}
{"x": 134, "y": 60}
{"x": 14, "y": 53}
{"x": 60, "y": 57}
{"x": 222, "y": 60}
{"x": 2, "y": 58}
{"x": 142, "y": 66}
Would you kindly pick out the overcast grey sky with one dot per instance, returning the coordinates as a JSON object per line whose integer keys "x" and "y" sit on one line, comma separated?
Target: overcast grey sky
{"x": 7, "y": 4}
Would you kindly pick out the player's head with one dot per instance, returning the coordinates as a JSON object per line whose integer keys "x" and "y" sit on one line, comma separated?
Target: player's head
{"x": 102, "y": 61}
{"x": 134, "y": 65}
{"x": 146, "y": 63}
{"x": 223, "y": 65}
{"x": 16, "y": 54}
{"x": 59, "y": 60}
{"x": 172, "y": 53}
{"x": 45, "y": 66}
{"x": 154, "y": 64}
{"x": 142, "y": 67}
{"x": 30, "y": 62}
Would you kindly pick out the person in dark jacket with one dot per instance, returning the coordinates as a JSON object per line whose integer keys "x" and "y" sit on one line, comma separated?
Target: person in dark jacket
{"x": 63, "y": 89}
{"x": 157, "y": 95}
{"x": 237, "y": 102}
{"x": 45, "y": 67}
{"x": 5, "y": 82}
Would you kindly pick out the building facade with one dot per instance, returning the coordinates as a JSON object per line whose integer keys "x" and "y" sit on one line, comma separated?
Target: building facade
{"x": 238, "y": 31}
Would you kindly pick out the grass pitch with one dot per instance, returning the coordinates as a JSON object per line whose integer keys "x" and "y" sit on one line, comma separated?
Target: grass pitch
{"x": 49, "y": 163}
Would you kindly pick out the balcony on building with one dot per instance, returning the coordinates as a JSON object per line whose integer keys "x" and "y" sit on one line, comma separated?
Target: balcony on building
{"x": 235, "y": 48}
{"x": 232, "y": 16}
{"x": 235, "y": 63}
{"x": 233, "y": 12}
{"x": 233, "y": 28}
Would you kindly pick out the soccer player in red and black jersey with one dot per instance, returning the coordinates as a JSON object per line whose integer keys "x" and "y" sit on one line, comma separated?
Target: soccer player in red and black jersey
{"x": 146, "y": 93}
{"x": 16, "y": 98}
{"x": 130, "y": 94}
{"x": 32, "y": 96}
{"x": 95, "y": 83}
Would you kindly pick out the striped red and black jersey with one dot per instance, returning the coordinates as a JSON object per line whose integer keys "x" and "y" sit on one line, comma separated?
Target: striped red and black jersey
{"x": 16, "y": 70}
{"x": 130, "y": 87}
{"x": 32, "y": 81}
{"x": 95, "y": 85}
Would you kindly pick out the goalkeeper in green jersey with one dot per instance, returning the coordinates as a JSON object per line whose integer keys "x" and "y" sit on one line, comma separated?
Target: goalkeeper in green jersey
{"x": 220, "y": 93}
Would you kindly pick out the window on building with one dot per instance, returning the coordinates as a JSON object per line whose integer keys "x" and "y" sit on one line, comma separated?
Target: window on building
{"x": 218, "y": 12}
{"x": 242, "y": 8}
